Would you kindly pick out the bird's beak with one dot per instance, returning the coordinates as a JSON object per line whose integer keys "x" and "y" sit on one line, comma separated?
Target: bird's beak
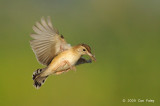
{"x": 92, "y": 56}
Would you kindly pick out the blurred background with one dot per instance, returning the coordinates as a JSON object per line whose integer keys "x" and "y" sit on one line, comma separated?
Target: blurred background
{"x": 124, "y": 36}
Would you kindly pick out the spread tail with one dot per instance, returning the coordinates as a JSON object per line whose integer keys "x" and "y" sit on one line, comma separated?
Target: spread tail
{"x": 38, "y": 79}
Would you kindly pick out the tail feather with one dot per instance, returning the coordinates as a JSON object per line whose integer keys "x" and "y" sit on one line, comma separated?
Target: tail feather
{"x": 38, "y": 78}
{"x": 35, "y": 73}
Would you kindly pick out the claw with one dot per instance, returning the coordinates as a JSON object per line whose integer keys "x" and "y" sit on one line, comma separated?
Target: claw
{"x": 73, "y": 68}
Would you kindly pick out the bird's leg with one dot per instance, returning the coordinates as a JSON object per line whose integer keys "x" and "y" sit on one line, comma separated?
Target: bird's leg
{"x": 60, "y": 72}
{"x": 62, "y": 65}
{"x": 70, "y": 66}
{"x": 73, "y": 68}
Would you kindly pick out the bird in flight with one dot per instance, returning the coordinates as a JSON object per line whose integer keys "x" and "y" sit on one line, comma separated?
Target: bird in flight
{"x": 52, "y": 50}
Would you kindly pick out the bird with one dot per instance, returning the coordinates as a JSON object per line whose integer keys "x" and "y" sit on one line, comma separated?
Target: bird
{"x": 52, "y": 51}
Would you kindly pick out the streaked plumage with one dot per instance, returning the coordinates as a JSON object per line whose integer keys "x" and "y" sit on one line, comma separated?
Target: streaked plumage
{"x": 52, "y": 50}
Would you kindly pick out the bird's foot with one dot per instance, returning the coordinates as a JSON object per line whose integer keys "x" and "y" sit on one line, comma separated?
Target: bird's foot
{"x": 73, "y": 68}
{"x": 63, "y": 71}
{"x": 59, "y": 72}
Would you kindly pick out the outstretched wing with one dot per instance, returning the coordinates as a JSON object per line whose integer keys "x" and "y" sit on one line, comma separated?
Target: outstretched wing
{"x": 47, "y": 42}
{"x": 82, "y": 61}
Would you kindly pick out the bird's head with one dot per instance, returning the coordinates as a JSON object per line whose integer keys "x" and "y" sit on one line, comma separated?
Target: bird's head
{"x": 84, "y": 49}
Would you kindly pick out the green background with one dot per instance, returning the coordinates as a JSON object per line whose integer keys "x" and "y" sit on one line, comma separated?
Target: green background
{"x": 124, "y": 36}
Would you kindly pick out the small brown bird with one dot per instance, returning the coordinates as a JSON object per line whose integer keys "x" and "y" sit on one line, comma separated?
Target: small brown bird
{"x": 52, "y": 50}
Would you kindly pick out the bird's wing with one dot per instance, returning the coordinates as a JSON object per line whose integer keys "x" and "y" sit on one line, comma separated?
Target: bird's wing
{"x": 82, "y": 61}
{"x": 47, "y": 42}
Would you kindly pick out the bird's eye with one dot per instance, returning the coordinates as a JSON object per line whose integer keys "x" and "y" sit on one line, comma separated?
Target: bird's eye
{"x": 84, "y": 49}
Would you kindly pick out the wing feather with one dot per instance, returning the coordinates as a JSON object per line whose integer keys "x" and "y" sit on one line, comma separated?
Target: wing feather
{"x": 36, "y": 30}
{"x": 82, "y": 61}
{"x": 46, "y": 41}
